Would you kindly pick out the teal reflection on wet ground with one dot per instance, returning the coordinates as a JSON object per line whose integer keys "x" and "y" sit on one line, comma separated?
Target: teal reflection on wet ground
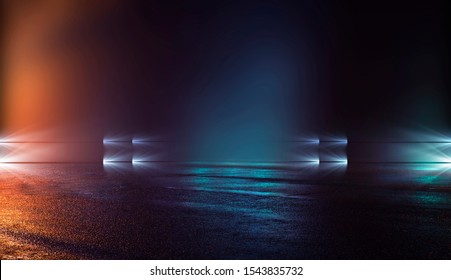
{"x": 429, "y": 179}
{"x": 432, "y": 198}
{"x": 244, "y": 205}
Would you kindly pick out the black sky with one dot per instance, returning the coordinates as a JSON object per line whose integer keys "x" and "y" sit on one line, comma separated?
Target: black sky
{"x": 360, "y": 65}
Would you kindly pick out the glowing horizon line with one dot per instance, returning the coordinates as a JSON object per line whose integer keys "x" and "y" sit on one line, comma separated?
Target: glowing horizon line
{"x": 188, "y": 162}
{"x": 375, "y": 141}
{"x": 63, "y": 142}
{"x": 152, "y": 141}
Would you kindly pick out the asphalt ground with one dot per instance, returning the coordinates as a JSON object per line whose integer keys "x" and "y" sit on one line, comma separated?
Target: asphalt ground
{"x": 225, "y": 211}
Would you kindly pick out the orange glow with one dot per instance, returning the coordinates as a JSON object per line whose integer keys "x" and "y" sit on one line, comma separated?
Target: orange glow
{"x": 53, "y": 85}
{"x": 53, "y": 77}
{"x": 20, "y": 214}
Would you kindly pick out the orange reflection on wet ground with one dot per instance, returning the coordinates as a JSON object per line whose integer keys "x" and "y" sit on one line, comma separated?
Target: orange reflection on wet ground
{"x": 33, "y": 218}
{"x": 21, "y": 216}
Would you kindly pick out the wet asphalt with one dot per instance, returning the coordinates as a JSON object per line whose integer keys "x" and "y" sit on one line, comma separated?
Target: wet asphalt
{"x": 238, "y": 211}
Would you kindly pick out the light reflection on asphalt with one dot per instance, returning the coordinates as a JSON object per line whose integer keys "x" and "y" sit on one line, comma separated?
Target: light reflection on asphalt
{"x": 158, "y": 211}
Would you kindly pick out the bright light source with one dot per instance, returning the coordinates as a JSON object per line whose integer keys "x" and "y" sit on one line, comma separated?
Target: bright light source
{"x": 111, "y": 160}
{"x": 335, "y": 140}
{"x": 115, "y": 140}
{"x": 138, "y": 141}
{"x": 341, "y": 141}
{"x": 109, "y": 141}
{"x": 340, "y": 161}
{"x": 336, "y": 161}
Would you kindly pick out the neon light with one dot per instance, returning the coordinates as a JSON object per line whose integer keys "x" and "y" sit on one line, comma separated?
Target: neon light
{"x": 341, "y": 141}
{"x": 107, "y": 141}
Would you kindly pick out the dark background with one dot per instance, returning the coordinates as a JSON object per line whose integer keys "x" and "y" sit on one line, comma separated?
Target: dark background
{"x": 353, "y": 66}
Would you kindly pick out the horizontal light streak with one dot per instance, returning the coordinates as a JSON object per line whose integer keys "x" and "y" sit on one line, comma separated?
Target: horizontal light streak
{"x": 319, "y": 141}
{"x": 341, "y": 161}
{"x": 160, "y": 141}
{"x": 133, "y": 141}
{"x": 431, "y": 151}
{"x": 373, "y": 141}
{"x": 46, "y": 142}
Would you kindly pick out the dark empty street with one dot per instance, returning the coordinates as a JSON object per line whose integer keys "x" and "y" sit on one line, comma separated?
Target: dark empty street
{"x": 228, "y": 211}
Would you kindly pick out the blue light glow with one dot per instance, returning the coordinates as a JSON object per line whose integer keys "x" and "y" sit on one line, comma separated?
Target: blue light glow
{"x": 137, "y": 161}
{"x": 120, "y": 139}
{"x": 338, "y": 141}
{"x": 137, "y": 141}
{"x": 114, "y": 160}
{"x": 338, "y": 161}
{"x": 108, "y": 141}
